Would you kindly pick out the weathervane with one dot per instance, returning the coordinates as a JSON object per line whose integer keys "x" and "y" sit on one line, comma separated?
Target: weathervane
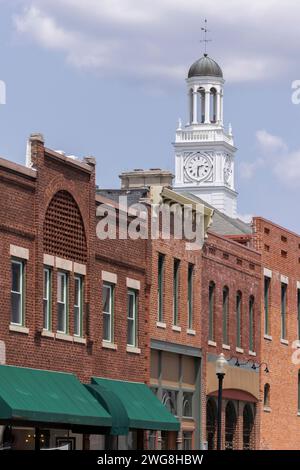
{"x": 205, "y": 40}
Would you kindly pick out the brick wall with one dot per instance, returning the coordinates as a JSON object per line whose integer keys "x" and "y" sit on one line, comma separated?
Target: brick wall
{"x": 280, "y": 251}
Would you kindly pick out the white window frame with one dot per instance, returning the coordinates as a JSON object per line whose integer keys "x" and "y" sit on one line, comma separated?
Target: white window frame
{"x": 20, "y": 293}
{"x": 47, "y": 298}
{"x": 79, "y": 304}
{"x": 133, "y": 320}
{"x": 110, "y": 313}
{"x": 64, "y": 302}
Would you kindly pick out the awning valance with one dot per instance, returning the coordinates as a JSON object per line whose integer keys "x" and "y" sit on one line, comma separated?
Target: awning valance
{"x": 132, "y": 405}
{"x": 41, "y": 396}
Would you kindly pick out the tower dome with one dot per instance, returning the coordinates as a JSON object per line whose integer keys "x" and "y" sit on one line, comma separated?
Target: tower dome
{"x": 205, "y": 67}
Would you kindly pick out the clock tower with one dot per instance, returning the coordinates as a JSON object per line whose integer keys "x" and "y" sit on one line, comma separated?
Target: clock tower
{"x": 204, "y": 151}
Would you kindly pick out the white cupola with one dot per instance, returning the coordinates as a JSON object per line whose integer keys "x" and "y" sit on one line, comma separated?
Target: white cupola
{"x": 204, "y": 151}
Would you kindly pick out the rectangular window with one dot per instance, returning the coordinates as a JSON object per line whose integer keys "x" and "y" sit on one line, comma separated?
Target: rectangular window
{"x": 161, "y": 263}
{"x": 62, "y": 288}
{"x": 132, "y": 313}
{"x": 238, "y": 319}
{"x": 108, "y": 312}
{"x": 211, "y": 307}
{"x": 78, "y": 306}
{"x": 251, "y": 324}
{"x": 190, "y": 295}
{"x": 225, "y": 315}
{"x": 298, "y": 313}
{"x": 17, "y": 292}
{"x": 47, "y": 299}
{"x": 267, "y": 284}
{"x": 283, "y": 310}
{"x": 187, "y": 440}
{"x": 176, "y": 267}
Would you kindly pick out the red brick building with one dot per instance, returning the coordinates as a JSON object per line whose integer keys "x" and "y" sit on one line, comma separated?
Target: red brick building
{"x": 69, "y": 301}
{"x": 280, "y": 322}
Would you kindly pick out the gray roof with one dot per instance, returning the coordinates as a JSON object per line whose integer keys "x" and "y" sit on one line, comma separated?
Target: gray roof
{"x": 222, "y": 224}
{"x": 133, "y": 195}
{"x": 204, "y": 67}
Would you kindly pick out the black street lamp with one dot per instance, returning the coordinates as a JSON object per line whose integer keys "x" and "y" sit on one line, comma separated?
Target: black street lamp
{"x": 221, "y": 365}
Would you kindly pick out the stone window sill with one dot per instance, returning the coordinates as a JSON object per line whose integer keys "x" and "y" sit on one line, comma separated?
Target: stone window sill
{"x": 252, "y": 353}
{"x": 268, "y": 337}
{"x": 79, "y": 340}
{"x": 239, "y": 350}
{"x": 284, "y": 341}
{"x": 176, "y": 328}
{"x": 160, "y": 324}
{"x": 19, "y": 329}
{"x": 191, "y": 332}
{"x": 133, "y": 350}
{"x": 64, "y": 337}
{"x": 267, "y": 409}
{"x": 226, "y": 346}
{"x": 48, "y": 334}
{"x": 212, "y": 343}
{"x": 108, "y": 345}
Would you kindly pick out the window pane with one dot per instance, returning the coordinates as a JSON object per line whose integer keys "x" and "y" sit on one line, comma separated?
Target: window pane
{"x": 187, "y": 404}
{"x": 77, "y": 293}
{"x": 106, "y": 327}
{"x": 106, "y": 299}
{"x": 77, "y": 321}
{"x": 16, "y": 277}
{"x": 47, "y": 300}
{"x": 130, "y": 332}
{"x": 61, "y": 285}
{"x": 131, "y": 306}
{"x": 16, "y": 308}
{"x": 61, "y": 318}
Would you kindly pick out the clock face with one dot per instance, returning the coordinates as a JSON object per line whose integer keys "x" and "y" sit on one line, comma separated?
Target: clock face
{"x": 227, "y": 169}
{"x": 198, "y": 167}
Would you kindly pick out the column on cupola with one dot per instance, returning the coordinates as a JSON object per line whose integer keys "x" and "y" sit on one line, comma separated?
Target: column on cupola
{"x": 195, "y": 111}
{"x": 207, "y": 106}
{"x": 221, "y": 107}
{"x": 218, "y": 106}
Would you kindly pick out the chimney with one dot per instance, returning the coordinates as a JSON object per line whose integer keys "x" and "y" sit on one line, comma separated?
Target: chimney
{"x": 143, "y": 178}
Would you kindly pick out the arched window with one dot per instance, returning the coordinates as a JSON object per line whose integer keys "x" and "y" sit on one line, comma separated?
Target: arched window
{"x": 211, "y": 422}
{"x": 213, "y": 105}
{"x": 267, "y": 395}
{"x": 201, "y": 105}
{"x": 248, "y": 422}
{"x": 211, "y": 311}
{"x": 169, "y": 399}
{"x": 238, "y": 319}
{"x": 230, "y": 426}
{"x": 251, "y": 324}
{"x": 225, "y": 314}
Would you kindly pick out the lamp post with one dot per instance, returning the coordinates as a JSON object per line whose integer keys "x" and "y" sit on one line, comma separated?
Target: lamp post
{"x": 221, "y": 365}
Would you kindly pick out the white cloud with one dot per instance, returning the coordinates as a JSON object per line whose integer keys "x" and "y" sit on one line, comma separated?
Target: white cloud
{"x": 160, "y": 38}
{"x": 277, "y": 158}
{"x": 270, "y": 144}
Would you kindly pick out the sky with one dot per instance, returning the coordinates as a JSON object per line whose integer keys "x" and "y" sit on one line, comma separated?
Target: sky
{"x": 107, "y": 78}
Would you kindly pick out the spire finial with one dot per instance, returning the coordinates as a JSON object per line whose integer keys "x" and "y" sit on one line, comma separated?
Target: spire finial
{"x": 205, "y": 40}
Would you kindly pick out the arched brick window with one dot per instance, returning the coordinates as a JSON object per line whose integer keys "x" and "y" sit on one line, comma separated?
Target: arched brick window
{"x": 64, "y": 234}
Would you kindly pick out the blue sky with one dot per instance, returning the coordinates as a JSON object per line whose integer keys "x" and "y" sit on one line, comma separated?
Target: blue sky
{"x": 107, "y": 78}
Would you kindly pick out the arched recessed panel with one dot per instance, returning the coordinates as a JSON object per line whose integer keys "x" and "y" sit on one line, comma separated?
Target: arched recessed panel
{"x": 63, "y": 231}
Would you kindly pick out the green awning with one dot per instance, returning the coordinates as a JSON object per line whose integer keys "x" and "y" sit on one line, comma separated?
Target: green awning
{"x": 141, "y": 409}
{"x": 41, "y": 396}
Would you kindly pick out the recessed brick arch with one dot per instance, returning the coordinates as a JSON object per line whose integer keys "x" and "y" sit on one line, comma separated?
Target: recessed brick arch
{"x": 63, "y": 231}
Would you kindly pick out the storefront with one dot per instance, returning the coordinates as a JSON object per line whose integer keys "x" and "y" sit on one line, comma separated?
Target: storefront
{"x": 43, "y": 409}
